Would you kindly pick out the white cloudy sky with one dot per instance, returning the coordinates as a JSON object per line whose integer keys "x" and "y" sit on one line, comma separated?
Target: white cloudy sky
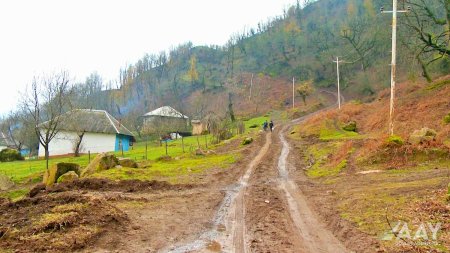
{"x": 83, "y": 36}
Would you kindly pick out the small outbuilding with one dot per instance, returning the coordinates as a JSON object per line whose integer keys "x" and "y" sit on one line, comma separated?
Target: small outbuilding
{"x": 198, "y": 127}
{"x": 100, "y": 131}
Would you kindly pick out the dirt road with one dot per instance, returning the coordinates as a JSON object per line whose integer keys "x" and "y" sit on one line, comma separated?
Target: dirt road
{"x": 265, "y": 211}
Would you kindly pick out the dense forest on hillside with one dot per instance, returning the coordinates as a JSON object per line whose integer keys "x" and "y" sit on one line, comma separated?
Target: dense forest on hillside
{"x": 301, "y": 43}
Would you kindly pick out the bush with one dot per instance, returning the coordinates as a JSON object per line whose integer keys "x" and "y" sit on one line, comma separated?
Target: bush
{"x": 350, "y": 126}
{"x": 254, "y": 126}
{"x": 10, "y": 155}
{"x": 394, "y": 139}
{"x": 448, "y": 192}
{"x": 447, "y": 119}
{"x": 247, "y": 141}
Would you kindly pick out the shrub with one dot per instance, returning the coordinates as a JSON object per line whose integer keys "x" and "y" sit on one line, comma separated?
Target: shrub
{"x": 350, "y": 126}
{"x": 447, "y": 118}
{"x": 394, "y": 139}
{"x": 247, "y": 141}
{"x": 254, "y": 126}
{"x": 10, "y": 155}
{"x": 448, "y": 192}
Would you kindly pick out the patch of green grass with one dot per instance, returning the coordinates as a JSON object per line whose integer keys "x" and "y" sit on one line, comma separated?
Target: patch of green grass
{"x": 437, "y": 85}
{"x": 447, "y": 119}
{"x": 255, "y": 121}
{"x": 329, "y": 132}
{"x": 395, "y": 140}
{"x": 14, "y": 195}
{"x": 326, "y": 171}
{"x": 31, "y": 171}
{"x": 170, "y": 170}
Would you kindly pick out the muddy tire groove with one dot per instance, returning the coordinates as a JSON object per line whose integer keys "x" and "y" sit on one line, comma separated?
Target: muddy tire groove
{"x": 313, "y": 234}
{"x": 228, "y": 223}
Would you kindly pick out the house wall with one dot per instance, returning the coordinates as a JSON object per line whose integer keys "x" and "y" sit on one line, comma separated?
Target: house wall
{"x": 63, "y": 143}
{"x": 122, "y": 141}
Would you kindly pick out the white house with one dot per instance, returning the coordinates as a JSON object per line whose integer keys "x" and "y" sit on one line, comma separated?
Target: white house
{"x": 4, "y": 143}
{"x": 102, "y": 133}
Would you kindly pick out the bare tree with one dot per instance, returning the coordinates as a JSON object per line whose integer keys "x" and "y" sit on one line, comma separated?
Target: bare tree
{"x": 47, "y": 100}
{"x": 13, "y": 128}
{"x": 430, "y": 25}
{"x": 356, "y": 34}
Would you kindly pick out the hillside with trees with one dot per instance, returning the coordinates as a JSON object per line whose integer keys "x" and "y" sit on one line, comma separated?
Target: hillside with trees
{"x": 301, "y": 43}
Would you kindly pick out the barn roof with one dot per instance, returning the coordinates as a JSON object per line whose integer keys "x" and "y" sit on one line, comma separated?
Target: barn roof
{"x": 166, "y": 111}
{"x": 91, "y": 121}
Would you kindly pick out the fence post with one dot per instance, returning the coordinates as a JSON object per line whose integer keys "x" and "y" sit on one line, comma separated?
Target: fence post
{"x": 182, "y": 142}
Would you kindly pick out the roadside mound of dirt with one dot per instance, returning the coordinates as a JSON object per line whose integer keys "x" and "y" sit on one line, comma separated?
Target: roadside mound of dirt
{"x": 101, "y": 184}
{"x": 57, "y": 223}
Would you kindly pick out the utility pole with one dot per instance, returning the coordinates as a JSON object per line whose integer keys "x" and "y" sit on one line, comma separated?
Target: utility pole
{"x": 393, "y": 60}
{"x": 338, "y": 81}
{"x": 293, "y": 92}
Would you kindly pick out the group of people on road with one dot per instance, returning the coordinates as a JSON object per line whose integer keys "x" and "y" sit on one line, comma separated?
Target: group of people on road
{"x": 266, "y": 125}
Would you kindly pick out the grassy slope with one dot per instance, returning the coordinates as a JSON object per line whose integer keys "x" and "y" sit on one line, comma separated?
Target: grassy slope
{"x": 26, "y": 173}
{"x": 412, "y": 183}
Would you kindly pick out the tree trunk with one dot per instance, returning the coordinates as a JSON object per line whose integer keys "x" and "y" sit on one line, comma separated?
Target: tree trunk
{"x": 425, "y": 72}
{"x": 47, "y": 156}
{"x": 78, "y": 145}
{"x": 230, "y": 107}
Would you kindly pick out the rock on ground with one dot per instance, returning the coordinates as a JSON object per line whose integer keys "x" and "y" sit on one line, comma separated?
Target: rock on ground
{"x": 247, "y": 141}
{"x": 127, "y": 163}
{"x": 5, "y": 183}
{"x": 101, "y": 162}
{"x": 423, "y": 135}
{"x": 54, "y": 172}
{"x": 68, "y": 177}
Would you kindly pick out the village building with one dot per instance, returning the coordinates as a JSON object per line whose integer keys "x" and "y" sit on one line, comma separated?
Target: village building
{"x": 100, "y": 132}
{"x": 165, "y": 120}
{"x": 198, "y": 127}
{"x": 4, "y": 141}
{"x": 7, "y": 143}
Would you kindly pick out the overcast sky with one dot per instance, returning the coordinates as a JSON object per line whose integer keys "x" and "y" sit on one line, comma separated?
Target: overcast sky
{"x": 83, "y": 36}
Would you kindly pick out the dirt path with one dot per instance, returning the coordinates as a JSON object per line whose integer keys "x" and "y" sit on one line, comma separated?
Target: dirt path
{"x": 314, "y": 236}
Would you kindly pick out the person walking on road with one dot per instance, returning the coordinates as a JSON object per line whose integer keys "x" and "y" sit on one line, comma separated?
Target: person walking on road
{"x": 265, "y": 125}
{"x": 271, "y": 126}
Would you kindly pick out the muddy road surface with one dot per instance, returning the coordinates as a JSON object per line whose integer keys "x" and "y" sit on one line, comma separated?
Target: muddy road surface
{"x": 265, "y": 211}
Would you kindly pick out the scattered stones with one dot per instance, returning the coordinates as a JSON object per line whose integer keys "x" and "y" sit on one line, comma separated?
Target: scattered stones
{"x": 54, "y": 172}
{"x": 164, "y": 158}
{"x": 423, "y": 135}
{"x": 101, "y": 162}
{"x": 127, "y": 162}
{"x": 68, "y": 177}
{"x": 5, "y": 183}
{"x": 200, "y": 152}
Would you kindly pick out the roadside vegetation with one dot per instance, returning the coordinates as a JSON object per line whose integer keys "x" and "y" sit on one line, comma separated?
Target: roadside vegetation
{"x": 376, "y": 181}
{"x": 182, "y": 160}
